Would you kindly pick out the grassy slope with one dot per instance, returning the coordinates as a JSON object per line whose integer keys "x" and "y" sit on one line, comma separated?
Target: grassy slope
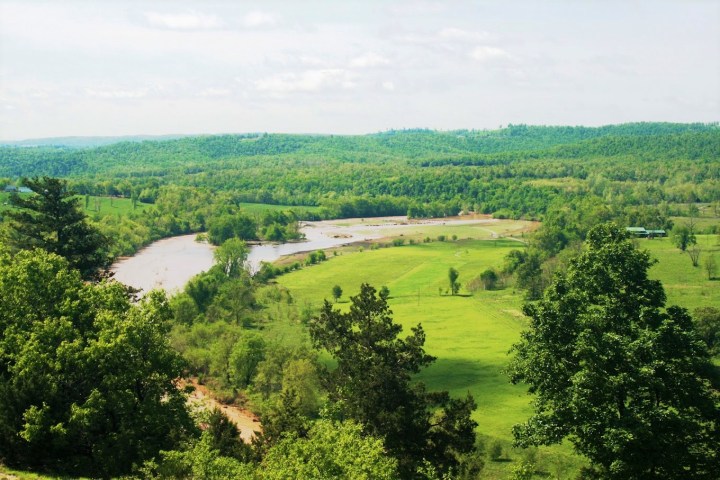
{"x": 684, "y": 284}
{"x": 470, "y": 335}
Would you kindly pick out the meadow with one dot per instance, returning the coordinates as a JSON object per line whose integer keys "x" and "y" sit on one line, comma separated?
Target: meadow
{"x": 685, "y": 285}
{"x": 472, "y": 333}
{"x": 97, "y": 206}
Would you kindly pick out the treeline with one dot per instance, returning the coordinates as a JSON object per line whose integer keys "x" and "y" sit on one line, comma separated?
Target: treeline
{"x": 515, "y": 172}
{"x": 307, "y": 170}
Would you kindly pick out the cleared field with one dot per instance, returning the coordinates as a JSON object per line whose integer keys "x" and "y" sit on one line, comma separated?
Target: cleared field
{"x": 685, "y": 285}
{"x": 102, "y": 206}
{"x": 97, "y": 206}
{"x": 470, "y": 335}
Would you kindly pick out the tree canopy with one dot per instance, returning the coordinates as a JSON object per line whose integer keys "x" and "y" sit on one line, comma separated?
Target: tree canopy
{"x": 373, "y": 384}
{"x": 51, "y": 219}
{"x": 87, "y": 379}
{"x": 616, "y": 372}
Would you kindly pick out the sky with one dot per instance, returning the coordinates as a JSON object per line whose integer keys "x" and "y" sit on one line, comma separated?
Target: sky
{"x": 88, "y": 68}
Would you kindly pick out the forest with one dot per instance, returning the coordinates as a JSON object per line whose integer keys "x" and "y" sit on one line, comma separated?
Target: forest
{"x": 613, "y": 341}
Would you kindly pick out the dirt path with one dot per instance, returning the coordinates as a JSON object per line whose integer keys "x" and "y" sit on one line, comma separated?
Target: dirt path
{"x": 245, "y": 420}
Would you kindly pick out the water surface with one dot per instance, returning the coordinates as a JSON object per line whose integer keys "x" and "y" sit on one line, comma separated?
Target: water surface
{"x": 170, "y": 263}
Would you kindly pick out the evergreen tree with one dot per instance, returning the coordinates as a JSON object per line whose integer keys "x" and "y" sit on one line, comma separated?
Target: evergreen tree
{"x": 52, "y": 219}
{"x": 373, "y": 385}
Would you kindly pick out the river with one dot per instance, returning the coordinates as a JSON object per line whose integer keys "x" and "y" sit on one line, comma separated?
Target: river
{"x": 169, "y": 263}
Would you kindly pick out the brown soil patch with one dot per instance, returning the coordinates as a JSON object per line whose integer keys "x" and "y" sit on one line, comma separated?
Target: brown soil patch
{"x": 246, "y": 421}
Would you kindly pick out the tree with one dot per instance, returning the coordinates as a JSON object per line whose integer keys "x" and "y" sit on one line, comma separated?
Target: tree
{"x": 331, "y": 450}
{"x": 87, "y": 379}
{"x": 683, "y": 237}
{"x": 707, "y": 324}
{"x": 452, "y": 277}
{"x": 614, "y": 372}
{"x": 710, "y": 266}
{"x": 246, "y": 355}
{"x": 337, "y": 292}
{"x": 372, "y": 384}
{"x": 489, "y": 279}
{"x": 231, "y": 256}
{"x": 694, "y": 253}
{"x": 52, "y": 219}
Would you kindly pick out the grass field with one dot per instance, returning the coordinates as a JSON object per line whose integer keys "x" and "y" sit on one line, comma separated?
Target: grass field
{"x": 470, "y": 335}
{"x": 97, "y": 205}
{"x": 685, "y": 285}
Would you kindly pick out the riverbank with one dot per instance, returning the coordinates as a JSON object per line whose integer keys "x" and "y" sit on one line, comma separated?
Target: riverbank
{"x": 171, "y": 262}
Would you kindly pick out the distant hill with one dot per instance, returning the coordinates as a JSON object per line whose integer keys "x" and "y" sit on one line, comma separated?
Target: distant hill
{"x": 86, "y": 142}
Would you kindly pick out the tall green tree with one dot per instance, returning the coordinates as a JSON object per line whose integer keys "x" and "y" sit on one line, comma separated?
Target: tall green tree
{"x": 452, "y": 278}
{"x": 337, "y": 292}
{"x": 52, "y": 219}
{"x": 373, "y": 384}
{"x": 616, "y": 372}
{"x": 231, "y": 256}
{"x": 683, "y": 237}
{"x": 87, "y": 379}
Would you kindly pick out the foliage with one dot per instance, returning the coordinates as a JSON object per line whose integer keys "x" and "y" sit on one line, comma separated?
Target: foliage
{"x": 331, "y": 450}
{"x": 489, "y": 278}
{"x": 246, "y": 355}
{"x": 372, "y": 384}
{"x": 707, "y": 324}
{"x": 452, "y": 278}
{"x": 52, "y": 219}
{"x": 711, "y": 267}
{"x": 337, "y": 292}
{"x": 683, "y": 237}
{"x": 199, "y": 460}
{"x": 231, "y": 257}
{"x": 614, "y": 372}
{"x": 87, "y": 379}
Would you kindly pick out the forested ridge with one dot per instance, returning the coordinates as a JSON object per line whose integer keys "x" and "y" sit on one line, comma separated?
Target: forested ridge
{"x": 457, "y": 169}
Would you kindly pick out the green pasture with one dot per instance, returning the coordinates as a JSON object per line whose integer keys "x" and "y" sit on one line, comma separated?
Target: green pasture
{"x": 100, "y": 206}
{"x": 103, "y": 206}
{"x": 702, "y": 224}
{"x": 685, "y": 285}
{"x": 470, "y": 334}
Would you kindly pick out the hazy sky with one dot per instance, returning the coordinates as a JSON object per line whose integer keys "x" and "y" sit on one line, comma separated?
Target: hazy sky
{"x": 159, "y": 67}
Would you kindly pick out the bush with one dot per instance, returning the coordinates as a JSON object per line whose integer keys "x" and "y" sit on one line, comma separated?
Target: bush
{"x": 496, "y": 451}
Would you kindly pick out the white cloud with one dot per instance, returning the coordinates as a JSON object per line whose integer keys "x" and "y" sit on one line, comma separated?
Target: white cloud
{"x": 484, "y": 52}
{"x": 117, "y": 94}
{"x": 183, "y": 21}
{"x": 389, "y": 86}
{"x": 215, "y": 92}
{"x": 258, "y": 19}
{"x": 369, "y": 59}
{"x": 309, "y": 81}
{"x": 457, "y": 34}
